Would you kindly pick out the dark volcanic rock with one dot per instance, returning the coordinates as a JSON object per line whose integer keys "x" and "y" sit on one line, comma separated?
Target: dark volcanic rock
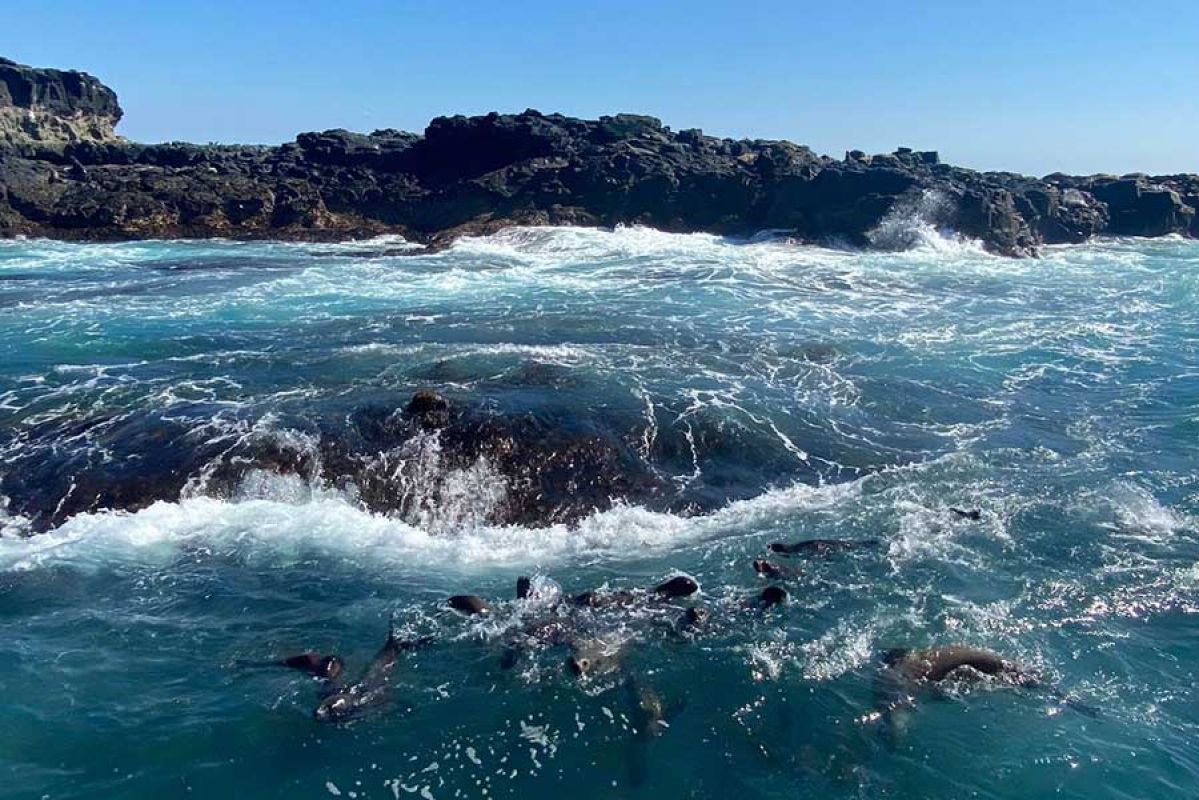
{"x": 68, "y": 177}
{"x": 1138, "y": 207}
{"x": 54, "y": 106}
{"x": 415, "y": 461}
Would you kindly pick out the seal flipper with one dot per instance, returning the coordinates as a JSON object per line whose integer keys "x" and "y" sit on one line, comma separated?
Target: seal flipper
{"x": 1028, "y": 681}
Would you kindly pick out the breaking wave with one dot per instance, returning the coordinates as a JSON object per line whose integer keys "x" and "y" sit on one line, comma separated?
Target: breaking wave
{"x": 922, "y": 223}
{"x": 282, "y": 518}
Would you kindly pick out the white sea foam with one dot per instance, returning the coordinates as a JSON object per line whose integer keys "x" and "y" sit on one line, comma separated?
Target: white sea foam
{"x": 919, "y": 224}
{"x": 290, "y": 524}
{"x": 1139, "y": 515}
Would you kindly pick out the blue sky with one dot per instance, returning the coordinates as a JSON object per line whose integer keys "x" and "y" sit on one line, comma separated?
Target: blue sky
{"x": 1098, "y": 86}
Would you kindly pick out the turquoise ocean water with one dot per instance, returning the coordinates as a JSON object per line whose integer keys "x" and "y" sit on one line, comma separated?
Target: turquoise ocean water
{"x": 783, "y": 392}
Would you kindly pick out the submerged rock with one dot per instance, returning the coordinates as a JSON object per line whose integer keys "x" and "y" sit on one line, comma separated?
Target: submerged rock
{"x": 434, "y": 464}
{"x": 64, "y": 174}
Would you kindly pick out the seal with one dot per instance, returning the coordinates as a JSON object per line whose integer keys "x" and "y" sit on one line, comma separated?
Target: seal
{"x": 620, "y": 598}
{"x": 594, "y": 657}
{"x": 469, "y": 604}
{"x": 678, "y": 586}
{"x": 325, "y": 667}
{"x": 905, "y": 672}
{"x": 694, "y": 618}
{"x": 524, "y": 587}
{"x": 649, "y": 715}
{"x": 329, "y": 668}
{"x": 974, "y": 515}
{"x": 770, "y": 597}
{"x": 370, "y": 690}
{"x": 821, "y": 547}
{"x": 540, "y": 633}
{"x": 768, "y": 569}
{"x": 934, "y": 664}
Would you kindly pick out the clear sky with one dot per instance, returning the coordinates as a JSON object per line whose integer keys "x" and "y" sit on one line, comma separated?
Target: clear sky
{"x": 1096, "y": 86}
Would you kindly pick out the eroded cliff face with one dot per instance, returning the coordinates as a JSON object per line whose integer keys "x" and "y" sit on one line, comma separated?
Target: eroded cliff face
{"x": 71, "y": 178}
{"x": 49, "y": 105}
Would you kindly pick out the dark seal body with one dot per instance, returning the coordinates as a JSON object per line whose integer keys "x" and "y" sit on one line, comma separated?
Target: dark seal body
{"x": 768, "y": 569}
{"x": 770, "y": 597}
{"x": 469, "y": 604}
{"x": 328, "y": 667}
{"x": 678, "y": 586}
{"x": 325, "y": 667}
{"x": 821, "y": 547}
{"x": 370, "y": 690}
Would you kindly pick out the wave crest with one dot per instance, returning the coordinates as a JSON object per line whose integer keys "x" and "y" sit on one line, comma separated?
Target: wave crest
{"x": 922, "y": 223}
{"x": 275, "y": 527}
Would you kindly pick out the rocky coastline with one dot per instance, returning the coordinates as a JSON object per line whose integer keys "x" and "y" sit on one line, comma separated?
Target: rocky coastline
{"x": 65, "y": 174}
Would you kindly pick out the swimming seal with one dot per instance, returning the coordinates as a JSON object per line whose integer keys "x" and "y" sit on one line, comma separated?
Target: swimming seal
{"x": 693, "y": 618}
{"x": 678, "y": 586}
{"x": 469, "y": 604}
{"x": 821, "y": 547}
{"x": 615, "y": 599}
{"x": 370, "y": 690}
{"x": 906, "y": 671}
{"x": 538, "y": 634}
{"x": 771, "y": 596}
{"x": 936, "y": 663}
{"x": 524, "y": 587}
{"x": 593, "y": 657}
{"x": 327, "y": 668}
{"x": 649, "y": 715}
{"x": 769, "y": 570}
{"x": 974, "y": 515}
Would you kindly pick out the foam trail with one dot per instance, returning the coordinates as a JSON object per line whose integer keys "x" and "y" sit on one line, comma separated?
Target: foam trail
{"x": 330, "y": 526}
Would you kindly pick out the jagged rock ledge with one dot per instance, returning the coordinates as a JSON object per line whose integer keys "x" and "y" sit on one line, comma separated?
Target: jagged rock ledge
{"x": 51, "y": 106}
{"x": 64, "y": 175}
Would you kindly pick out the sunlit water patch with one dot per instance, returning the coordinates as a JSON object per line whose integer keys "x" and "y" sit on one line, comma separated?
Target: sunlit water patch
{"x": 209, "y": 456}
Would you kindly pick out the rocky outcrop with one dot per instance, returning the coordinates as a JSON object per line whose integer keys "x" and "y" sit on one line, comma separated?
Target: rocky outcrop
{"x": 478, "y": 174}
{"x": 48, "y": 105}
{"x": 1138, "y": 205}
{"x": 404, "y": 460}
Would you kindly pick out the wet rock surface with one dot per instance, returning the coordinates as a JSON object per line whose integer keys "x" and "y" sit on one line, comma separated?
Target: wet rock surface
{"x": 412, "y": 461}
{"x": 470, "y": 175}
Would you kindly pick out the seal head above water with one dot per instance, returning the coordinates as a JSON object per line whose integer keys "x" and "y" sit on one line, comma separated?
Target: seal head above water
{"x": 371, "y": 689}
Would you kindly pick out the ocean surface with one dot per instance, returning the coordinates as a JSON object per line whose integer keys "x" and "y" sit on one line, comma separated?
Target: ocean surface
{"x": 774, "y": 392}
